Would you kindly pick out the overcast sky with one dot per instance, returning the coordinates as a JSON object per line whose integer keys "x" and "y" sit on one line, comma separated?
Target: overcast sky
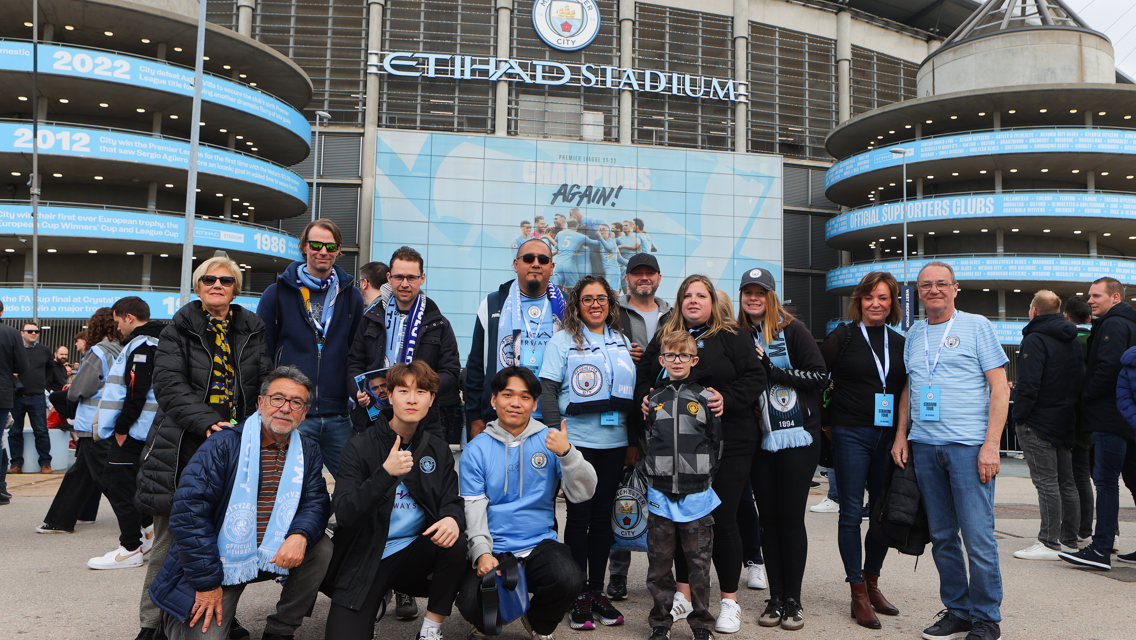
{"x": 1117, "y": 20}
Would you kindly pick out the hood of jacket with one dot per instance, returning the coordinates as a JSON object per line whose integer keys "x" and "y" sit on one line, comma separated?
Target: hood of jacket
{"x": 1129, "y": 358}
{"x": 1120, "y": 309}
{"x": 1054, "y": 325}
{"x": 291, "y": 276}
{"x": 152, "y": 328}
{"x": 498, "y": 433}
{"x": 625, "y": 303}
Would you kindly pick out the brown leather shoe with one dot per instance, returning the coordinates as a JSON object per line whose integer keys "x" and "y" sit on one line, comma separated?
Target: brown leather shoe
{"x": 879, "y": 602}
{"x": 862, "y": 608}
{"x": 45, "y": 468}
{"x": 16, "y": 469}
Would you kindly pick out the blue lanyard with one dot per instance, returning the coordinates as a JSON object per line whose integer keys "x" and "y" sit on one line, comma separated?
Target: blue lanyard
{"x": 885, "y": 368}
{"x": 927, "y": 347}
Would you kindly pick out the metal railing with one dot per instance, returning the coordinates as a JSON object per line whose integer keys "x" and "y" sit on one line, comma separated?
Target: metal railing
{"x": 1011, "y": 256}
{"x": 1131, "y": 194}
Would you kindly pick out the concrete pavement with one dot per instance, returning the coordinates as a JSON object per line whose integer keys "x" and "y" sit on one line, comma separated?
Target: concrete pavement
{"x": 50, "y": 594}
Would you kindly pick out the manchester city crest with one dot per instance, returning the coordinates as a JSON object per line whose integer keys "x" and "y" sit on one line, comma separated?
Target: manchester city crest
{"x": 426, "y": 464}
{"x": 505, "y": 351}
{"x": 784, "y": 397}
{"x": 567, "y": 25}
{"x": 539, "y": 460}
{"x": 240, "y": 521}
{"x": 629, "y": 514}
{"x": 952, "y": 342}
{"x": 586, "y": 380}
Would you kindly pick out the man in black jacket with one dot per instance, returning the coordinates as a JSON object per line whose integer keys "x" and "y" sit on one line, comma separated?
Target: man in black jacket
{"x": 1114, "y": 332}
{"x": 1045, "y": 401}
{"x": 30, "y": 403}
{"x": 407, "y": 327}
{"x": 13, "y": 361}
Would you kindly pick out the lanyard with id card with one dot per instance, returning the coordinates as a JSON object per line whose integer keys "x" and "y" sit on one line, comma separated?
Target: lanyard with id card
{"x": 929, "y": 398}
{"x": 884, "y": 409}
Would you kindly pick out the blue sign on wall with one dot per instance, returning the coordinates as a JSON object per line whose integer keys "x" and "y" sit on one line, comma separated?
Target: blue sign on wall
{"x": 1022, "y": 268}
{"x": 82, "y": 303}
{"x": 120, "y": 146}
{"x": 1008, "y": 333}
{"x": 106, "y": 66}
{"x": 79, "y": 222}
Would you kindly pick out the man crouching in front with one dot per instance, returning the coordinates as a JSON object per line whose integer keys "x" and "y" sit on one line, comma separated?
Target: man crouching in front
{"x": 251, "y": 505}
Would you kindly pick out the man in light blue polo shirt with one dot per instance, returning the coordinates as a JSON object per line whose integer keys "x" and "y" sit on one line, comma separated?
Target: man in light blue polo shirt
{"x": 958, "y": 401}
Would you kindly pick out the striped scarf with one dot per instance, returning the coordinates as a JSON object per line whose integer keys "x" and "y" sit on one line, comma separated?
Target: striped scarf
{"x": 221, "y": 381}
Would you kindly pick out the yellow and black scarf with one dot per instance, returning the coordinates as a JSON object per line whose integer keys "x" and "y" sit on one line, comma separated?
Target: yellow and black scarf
{"x": 222, "y": 378}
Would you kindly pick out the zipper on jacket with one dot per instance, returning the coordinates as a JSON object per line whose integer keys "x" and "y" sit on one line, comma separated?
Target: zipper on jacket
{"x": 674, "y": 432}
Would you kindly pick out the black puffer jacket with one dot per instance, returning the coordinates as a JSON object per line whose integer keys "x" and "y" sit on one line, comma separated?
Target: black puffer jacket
{"x": 899, "y": 519}
{"x": 182, "y": 369}
{"x": 1113, "y": 334}
{"x": 1049, "y": 378}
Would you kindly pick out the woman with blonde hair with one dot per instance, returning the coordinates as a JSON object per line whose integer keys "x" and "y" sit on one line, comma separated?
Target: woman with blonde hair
{"x": 729, "y": 368}
{"x": 790, "y": 442}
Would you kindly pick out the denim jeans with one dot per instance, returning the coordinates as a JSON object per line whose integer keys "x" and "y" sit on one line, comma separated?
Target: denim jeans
{"x": 1083, "y": 476}
{"x": 331, "y": 432}
{"x": 1051, "y": 469}
{"x": 35, "y": 408}
{"x": 833, "y": 490}
{"x": 863, "y": 458}
{"x": 957, "y": 501}
{"x": 1115, "y": 457}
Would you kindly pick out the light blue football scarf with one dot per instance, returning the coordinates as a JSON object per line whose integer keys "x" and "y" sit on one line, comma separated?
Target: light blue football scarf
{"x": 782, "y": 420}
{"x": 307, "y": 283}
{"x": 241, "y": 559}
{"x": 597, "y": 383}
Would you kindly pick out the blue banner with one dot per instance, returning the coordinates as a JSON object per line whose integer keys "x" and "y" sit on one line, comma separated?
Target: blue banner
{"x": 1009, "y": 333}
{"x": 995, "y": 268}
{"x": 1040, "y": 204}
{"x": 990, "y": 143}
{"x": 95, "y": 64}
{"x": 82, "y": 222}
{"x": 82, "y": 303}
{"x": 16, "y": 137}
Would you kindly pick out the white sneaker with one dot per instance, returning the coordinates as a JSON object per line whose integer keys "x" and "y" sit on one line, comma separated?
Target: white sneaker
{"x": 681, "y": 607}
{"x": 1037, "y": 551}
{"x": 756, "y": 576}
{"x": 825, "y": 506}
{"x": 433, "y": 633}
{"x": 729, "y": 617}
{"x": 147, "y": 539}
{"x": 120, "y": 558}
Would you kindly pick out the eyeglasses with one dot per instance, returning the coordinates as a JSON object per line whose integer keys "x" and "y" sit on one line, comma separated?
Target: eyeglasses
{"x": 331, "y": 247}
{"x": 277, "y": 401}
{"x": 31, "y": 330}
{"x": 588, "y": 301}
{"x": 209, "y": 281}
{"x": 528, "y": 258}
{"x": 402, "y": 278}
{"x": 941, "y": 284}
{"x": 678, "y": 357}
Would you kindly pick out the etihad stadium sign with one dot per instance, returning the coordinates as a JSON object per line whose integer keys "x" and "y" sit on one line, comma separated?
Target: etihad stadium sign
{"x": 546, "y": 72}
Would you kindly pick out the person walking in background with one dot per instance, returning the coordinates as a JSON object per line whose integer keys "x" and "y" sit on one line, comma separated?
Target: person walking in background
{"x": 1078, "y": 311}
{"x": 955, "y": 403}
{"x": 13, "y": 361}
{"x": 588, "y": 377}
{"x": 310, "y": 315}
{"x": 1114, "y": 441}
{"x": 29, "y": 402}
{"x": 373, "y": 284}
{"x": 790, "y": 446}
{"x": 1045, "y": 404}
{"x": 865, "y": 360}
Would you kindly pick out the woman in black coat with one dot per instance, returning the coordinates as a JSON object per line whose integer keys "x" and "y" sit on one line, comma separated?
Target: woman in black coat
{"x": 727, "y": 366}
{"x": 197, "y": 397}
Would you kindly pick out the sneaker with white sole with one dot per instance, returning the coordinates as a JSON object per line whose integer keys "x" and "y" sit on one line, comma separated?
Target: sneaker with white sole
{"x": 147, "y": 539}
{"x": 120, "y": 558}
{"x": 1037, "y": 551}
{"x": 729, "y": 617}
{"x": 50, "y": 528}
{"x": 1089, "y": 557}
{"x": 681, "y": 607}
{"x": 825, "y": 506}
{"x": 433, "y": 633}
{"x": 757, "y": 579}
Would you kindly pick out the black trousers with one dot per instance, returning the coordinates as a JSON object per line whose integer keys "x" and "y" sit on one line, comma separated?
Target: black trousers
{"x": 587, "y": 527}
{"x": 122, "y": 467}
{"x": 75, "y": 490}
{"x": 554, "y": 581}
{"x": 749, "y": 526}
{"x": 729, "y": 484}
{"x": 1083, "y": 476}
{"x": 781, "y": 487}
{"x": 422, "y": 569}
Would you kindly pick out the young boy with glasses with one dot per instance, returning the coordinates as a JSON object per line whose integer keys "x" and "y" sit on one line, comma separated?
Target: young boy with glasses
{"x": 684, "y": 444}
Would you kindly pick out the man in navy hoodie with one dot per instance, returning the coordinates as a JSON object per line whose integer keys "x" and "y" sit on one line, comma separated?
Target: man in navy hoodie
{"x": 310, "y": 315}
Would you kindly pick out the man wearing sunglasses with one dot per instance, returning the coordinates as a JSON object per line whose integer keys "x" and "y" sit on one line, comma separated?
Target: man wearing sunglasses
{"x": 310, "y": 315}
{"x": 513, "y": 327}
{"x": 29, "y": 402}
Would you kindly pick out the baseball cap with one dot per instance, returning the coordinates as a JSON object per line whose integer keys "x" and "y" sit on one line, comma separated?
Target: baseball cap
{"x": 759, "y": 277}
{"x": 641, "y": 260}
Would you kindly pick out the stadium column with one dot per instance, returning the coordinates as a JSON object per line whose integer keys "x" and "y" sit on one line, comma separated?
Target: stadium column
{"x": 370, "y": 129}
{"x": 626, "y": 60}
{"x": 152, "y": 190}
{"x": 843, "y": 65}
{"x": 147, "y": 268}
{"x": 244, "y": 17}
{"x": 741, "y": 75}
{"x": 504, "y": 39}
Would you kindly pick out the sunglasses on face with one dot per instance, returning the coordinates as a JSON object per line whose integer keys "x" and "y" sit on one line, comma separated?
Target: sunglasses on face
{"x": 331, "y": 247}
{"x": 209, "y": 281}
{"x": 528, "y": 258}
{"x": 31, "y": 330}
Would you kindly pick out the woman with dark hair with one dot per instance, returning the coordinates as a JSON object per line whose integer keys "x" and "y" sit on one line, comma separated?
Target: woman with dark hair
{"x": 865, "y": 358}
{"x": 90, "y": 455}
{"x": 588, "y": 377}
{"x": 790, "y": 443}
{"x": 728, "y": 367}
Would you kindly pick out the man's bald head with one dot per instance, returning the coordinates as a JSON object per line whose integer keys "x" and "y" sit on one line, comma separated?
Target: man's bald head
{"x": 1046, "y": 302}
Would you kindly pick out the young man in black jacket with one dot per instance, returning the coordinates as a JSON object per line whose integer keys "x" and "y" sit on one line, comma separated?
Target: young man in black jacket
{"x": 399, "y": 516}
{"x": 1045, "y": 402}
{"x": 29, "y": 402}
{"x": 1114, "y": 332}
